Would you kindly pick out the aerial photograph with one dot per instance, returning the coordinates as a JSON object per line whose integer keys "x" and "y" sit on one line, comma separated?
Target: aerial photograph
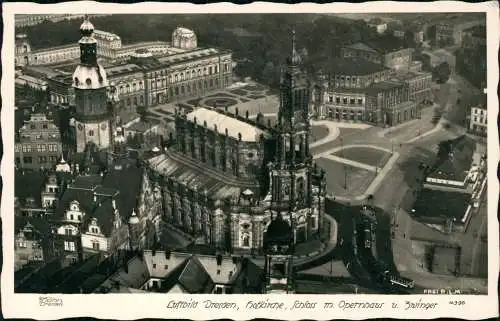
{"x": 251, "y": 153}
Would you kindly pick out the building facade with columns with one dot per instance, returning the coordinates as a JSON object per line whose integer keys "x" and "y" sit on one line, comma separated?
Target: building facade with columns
{"x": 148, "y": 76}
{"x": 226, "y": 178}
{"x": 339, "y": 92}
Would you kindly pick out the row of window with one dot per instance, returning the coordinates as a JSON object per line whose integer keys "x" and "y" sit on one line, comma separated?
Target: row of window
{"x": 69, "y": 246}
{"x": 345, "y": 101}
{"x": 482, "y": 120}
{"x": 479, "y": 111}
{"x": 161, "y": 83}
{"x": 40, "y": 160}
{"x": 37, "y": 148}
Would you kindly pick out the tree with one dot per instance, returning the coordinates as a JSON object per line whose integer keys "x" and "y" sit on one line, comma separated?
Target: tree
{"x": 141, "y": 110}
{"x": 442, "y": 72}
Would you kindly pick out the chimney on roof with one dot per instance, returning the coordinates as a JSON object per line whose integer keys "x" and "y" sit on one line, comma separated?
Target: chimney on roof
{"x": 246, "y": 114}
{"x": 219, "y": 259}
{"x": 239, "y": 136}
{"x": 215, "y": 128}
{"x": 236, "y": 111}
{"x": 125, "y": 267}
{"x": 167, "y": 254}
{"x": 153, "y": 252}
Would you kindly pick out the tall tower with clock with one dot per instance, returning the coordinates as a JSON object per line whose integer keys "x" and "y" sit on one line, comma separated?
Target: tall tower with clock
{"x": 296, "y": 194}
{"x": 93, "y": 114}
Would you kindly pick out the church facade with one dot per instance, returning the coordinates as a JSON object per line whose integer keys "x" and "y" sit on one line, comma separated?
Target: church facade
{"x": 225, "y": 178}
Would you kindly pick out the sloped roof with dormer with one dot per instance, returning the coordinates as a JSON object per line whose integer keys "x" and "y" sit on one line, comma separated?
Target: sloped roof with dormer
{"x": 191, "y": 272}
{"x": 123, "y": 186}
{"x": 188, "y": 173}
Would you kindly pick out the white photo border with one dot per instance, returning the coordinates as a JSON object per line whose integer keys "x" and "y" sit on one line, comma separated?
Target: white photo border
{"x": 133, "y": 306}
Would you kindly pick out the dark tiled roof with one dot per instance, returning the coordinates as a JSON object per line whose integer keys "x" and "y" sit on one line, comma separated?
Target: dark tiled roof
{"x": 348, "y": 66}
{"x": 40, "y": 226}
{"x": 122, "y": 185}
{"x": 382, "y": 86}
{"x": 194, "y": 278}
{"x": 29, "y": 184}
{"x": 454, "y": 159}
{"x": 252, "y": 277}
{"x": 128, "y": 182}
{"x": 385, "y": 44}
{"x": 441, "y": 204}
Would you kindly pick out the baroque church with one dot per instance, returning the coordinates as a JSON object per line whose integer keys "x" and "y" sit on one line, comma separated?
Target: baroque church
{"x": 226, "y": 178}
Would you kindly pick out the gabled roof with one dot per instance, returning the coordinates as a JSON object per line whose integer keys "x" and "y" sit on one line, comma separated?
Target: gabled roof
{"x": 29, "y": 184}
{"x": 194, "y": 278}
{"x": 121, "y": 185}
{"x": 40, "y": 227}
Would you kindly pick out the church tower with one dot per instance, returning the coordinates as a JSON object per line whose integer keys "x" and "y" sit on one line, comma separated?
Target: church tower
{"x": 278, "y": 250}
{"x": 93, "y": 116}
{"x": 291, "y": 171}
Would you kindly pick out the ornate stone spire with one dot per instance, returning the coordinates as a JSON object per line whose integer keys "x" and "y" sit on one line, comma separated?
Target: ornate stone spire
{"x": 295, "y": 58}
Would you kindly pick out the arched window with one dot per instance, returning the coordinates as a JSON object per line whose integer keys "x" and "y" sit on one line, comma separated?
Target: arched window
{"x": 234, "y": 168}
{"x": 300, "y": 188}
{"x": 134, "y": 87}
{"x": 193, "y": 74}
{"x": 246, "y": 240}
{"x": 128, "y": 88}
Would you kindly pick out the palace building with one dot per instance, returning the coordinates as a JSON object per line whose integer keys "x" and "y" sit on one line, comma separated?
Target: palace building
{"x": 144, "y": 74}
{"x": 226, "y": 178}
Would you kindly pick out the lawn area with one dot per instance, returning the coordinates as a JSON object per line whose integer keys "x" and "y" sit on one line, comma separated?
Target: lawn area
{"x": 317, "y": 133}
{"x": 164, "y": 112}
{"x": 348, "y": 131}
{"x": 436, "y": 205}
{"x": 358, "y": 179}
{"x": 238, "y": 92}
{"x": 369, "y": 156}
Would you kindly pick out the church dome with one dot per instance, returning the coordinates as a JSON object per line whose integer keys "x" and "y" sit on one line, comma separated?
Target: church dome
{"x": 89, "y": 77}
{"x": 86, "y": 28}
{"x": 184, "y": 38}
{"x": 133, "y": 219}
{"x": 279, "y": 232}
